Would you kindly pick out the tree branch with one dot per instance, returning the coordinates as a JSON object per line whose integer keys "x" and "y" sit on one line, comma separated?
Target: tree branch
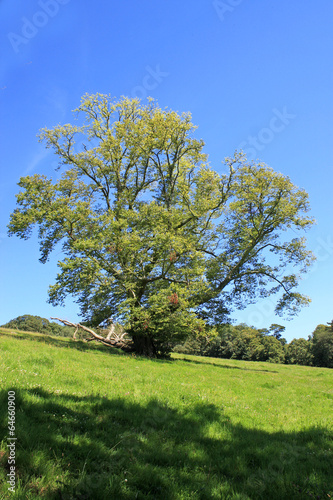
{"x": 114, "y": 341}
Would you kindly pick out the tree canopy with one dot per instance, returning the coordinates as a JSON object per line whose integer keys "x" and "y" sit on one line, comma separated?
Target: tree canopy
{"x": 151, "y": 234}
{"x": 322, "y": 342}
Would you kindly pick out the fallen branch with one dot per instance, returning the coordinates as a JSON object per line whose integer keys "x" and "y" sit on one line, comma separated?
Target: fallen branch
{"x": 118, "y": 341}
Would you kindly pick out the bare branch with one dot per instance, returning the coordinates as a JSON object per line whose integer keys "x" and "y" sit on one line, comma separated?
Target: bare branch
{"x": 117, "y": 341}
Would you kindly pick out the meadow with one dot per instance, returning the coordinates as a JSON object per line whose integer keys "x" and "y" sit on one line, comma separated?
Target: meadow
{"x": 95, "y": 423}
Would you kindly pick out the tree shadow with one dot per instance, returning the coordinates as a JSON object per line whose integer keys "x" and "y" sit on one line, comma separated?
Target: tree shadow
{"x": 219, "y": 365}
{"x": 93, "y": 447}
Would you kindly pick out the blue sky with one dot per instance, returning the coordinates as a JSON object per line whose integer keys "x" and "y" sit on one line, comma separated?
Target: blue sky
{"x": 255, "y": 75}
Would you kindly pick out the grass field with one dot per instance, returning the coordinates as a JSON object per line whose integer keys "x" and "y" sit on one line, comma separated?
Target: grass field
{"x": 94, "y": 423}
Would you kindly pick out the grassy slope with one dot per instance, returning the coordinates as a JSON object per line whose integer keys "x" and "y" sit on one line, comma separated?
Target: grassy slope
{"x": 95, "y": 423}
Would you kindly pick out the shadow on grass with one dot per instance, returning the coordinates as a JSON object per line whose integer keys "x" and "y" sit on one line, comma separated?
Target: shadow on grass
{"x": 92, "y": 447}
{"x": 219, "y": 365}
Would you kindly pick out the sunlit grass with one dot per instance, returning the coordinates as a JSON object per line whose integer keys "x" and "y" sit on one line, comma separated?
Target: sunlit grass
{"x": 95, "y": 423}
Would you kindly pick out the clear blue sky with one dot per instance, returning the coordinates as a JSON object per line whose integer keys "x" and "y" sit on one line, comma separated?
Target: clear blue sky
{"x": 254, "y": 74}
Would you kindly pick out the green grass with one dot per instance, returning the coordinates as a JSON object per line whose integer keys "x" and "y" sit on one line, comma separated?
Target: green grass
{"x": 94, "y": 423}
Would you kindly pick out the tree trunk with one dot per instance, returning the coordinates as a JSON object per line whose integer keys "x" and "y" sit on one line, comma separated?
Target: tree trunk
{"x": 144, "y": 345}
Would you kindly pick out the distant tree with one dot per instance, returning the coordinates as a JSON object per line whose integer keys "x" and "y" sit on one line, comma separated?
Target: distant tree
{"x": 322, "y": 346}
{"x": 272, "y": 350}
{"x": 299, "y": 352}
{"x": 30, "y": 323}
{"x": 151, "y": 234}
{"x": 277, "y": 330}
{"x": 195, "y": 345}
{"x": 237, "y": 342}
{"x": 263, "y": 331}
{"x": 246, "y": 343}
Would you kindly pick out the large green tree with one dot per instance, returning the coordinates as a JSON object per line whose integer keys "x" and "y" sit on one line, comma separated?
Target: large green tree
{"x": 151, "y": 234}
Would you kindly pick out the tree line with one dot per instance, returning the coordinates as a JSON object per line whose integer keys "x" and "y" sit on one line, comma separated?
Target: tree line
{"x": 241, "y": 342}
{"x": 245, "y": 342}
